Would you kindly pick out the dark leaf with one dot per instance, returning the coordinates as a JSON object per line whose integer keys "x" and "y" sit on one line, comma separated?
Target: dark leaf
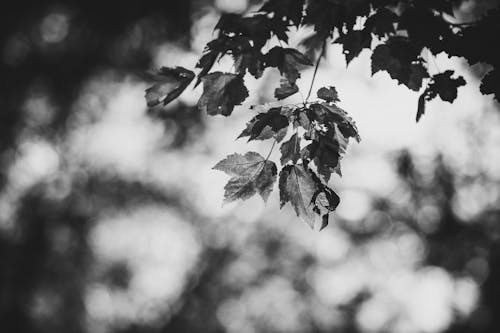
{"x": 266, "y": 125}
{"x": 330, "y": 114}
{"x": 311, "y": 200}
{"x": 290, "y": 150}
{"x": 382, "y": 22}
{"x": 251, "y": 61}
{"x": 354, "y": 42}
{"x": 221, "y": 93}
{"x": 442, "y": 84}
{"x": 285, "y": 89}
{"x": 170, "y": 83}
{"x": 288, "y": 10}
{"x": 445, "y": 86}
{"x": 328, "y": 94}
{"x": 288, "y": 61}
{"x": 400, "y": 59}
{"x": 421, "y": 106}
{"x": 491, "y": 84}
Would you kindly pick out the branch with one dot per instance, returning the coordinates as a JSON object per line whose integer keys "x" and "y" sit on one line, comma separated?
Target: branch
{"x": 323, "y": 48}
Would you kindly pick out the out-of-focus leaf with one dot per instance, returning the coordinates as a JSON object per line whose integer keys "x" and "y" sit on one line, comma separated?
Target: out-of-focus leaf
{"x": 443, "y": 85}
{"x": 288, "y": 62}
{"x": 354, "y": 42}
{"x": 285, "y": 89}
{"x": 400, "y": 59}
{"x": 288, "y": 10}
{"x": 491, "y": 84}
{"x": 170, "y": 83}
{"x": 328, "y": 94}
{"x": 221, "y": 93}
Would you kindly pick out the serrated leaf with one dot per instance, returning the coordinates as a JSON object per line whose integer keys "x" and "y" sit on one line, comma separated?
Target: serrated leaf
{"x": 400, "y": 59}
{"x": 288, "y": 62}
{"x": 290, "y": 150}
{"x": 266, "y": 125}
{"x": 382, "y": 22}
{"x": 328, "y": 94}
{"x": 251, "y": 174}
{"x": 170, "y": 83}
{"x": 311, "y": 200}
{"x": 239, "y": 188}
{"x": 330, "y": 114}
{"x": 239, "y": 165}
{"x": 221, "y": 93}
{"x": 285, "y": 89}
{"x": 490, "y": 84}
{"x": 354, "y": 42}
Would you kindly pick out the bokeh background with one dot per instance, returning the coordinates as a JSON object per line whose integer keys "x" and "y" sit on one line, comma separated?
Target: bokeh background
{"x": 111, "y": 219}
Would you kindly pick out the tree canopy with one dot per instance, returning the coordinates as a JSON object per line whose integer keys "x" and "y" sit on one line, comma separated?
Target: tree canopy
{"x": 399, "y": 33}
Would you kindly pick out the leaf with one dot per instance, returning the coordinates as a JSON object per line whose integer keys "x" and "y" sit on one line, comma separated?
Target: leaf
{"x": 328, "y": 94}
{"x": 285, "y": 89}
{"x": 442, "y": 84}
{"x": 330, "y": 114}
{"x": 287, "y": 60}
{"x": 251, "y": 61}
{"x": 354, "y": 42}
{"x": 266, "y": 125}
{"x": 491, "y": 84}
{"x": 400, "y": 59}
{"x": 311, "y": 200}
{"x": 421, "y": 106}
{"x": 325, "y": 152}
{"x": 445, "y": 86}
{"x": 170, "y": 83}
{"x": 290, "y": 150}
{"x": 251, "y": 174}
{"x": 382, "y": 22}
{"x": 289, "y": 10}
{"x": 221, "y": 93}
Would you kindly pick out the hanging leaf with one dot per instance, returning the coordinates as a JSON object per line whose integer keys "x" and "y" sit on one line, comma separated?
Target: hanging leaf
{"x": 251, "y": 174}
{"x": 290, "y": 150}
{"x": 221, "y": 93}
{"x": 285, "y": 89}
{"x": 354, "y": 42}
{"x": 401, "y": 60}
{"x": 266, "y": 125}
{"x": 288, "y": 62}
{"x": 170, "y": 83}
{"x": 328, "y": 94}
{"x": 442, "y": 85}
{"x": 303, "y": 189}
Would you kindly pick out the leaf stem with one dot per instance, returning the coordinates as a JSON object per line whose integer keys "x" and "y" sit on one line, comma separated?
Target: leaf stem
{"x": 323, "y": 48}
{"x": 270, "y": 151}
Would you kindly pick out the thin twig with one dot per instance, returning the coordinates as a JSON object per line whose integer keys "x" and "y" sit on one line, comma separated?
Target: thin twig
{"x": 316, "y": 70}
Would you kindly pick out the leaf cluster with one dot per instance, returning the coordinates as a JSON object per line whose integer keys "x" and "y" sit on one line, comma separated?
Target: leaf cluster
{"x": 320, "y": 132}
{"x": 402, "y": 35}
